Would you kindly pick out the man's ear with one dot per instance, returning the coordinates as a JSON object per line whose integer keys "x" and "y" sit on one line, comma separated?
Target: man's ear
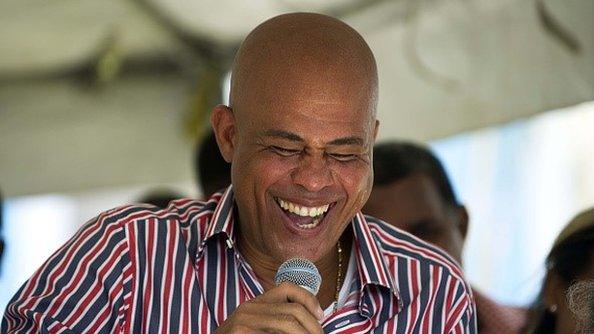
{"x": 375, "y": 130}
{"x": 550, "y": 294}
{"x": 462, "y": 220}
{"x": 222, "y": 121}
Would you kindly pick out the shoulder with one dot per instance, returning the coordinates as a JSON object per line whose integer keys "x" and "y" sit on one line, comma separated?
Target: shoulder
{"x": 426, "y": 273}
{"x": 397, "y": 244}
{"x": 496, "y": 317}
{"x": 180, "y": 214}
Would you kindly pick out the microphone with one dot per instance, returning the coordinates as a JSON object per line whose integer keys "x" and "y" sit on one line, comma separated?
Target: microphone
{"x": 301, "y": 272}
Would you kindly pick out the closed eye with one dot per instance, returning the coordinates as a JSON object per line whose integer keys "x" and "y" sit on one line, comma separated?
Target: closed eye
{"x": 285, "y": 152}
{"x": 426, "y": 228}
{"x": 344, "y": 157}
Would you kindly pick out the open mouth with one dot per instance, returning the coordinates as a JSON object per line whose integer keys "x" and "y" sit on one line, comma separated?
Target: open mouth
{"x": 303, "y": 216}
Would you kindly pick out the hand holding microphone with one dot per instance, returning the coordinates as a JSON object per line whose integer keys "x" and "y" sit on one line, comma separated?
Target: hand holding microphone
{"x": 290, "y": 307}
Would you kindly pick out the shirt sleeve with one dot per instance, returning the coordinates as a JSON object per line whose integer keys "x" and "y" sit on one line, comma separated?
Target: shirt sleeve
{"x": 81, "y": 288}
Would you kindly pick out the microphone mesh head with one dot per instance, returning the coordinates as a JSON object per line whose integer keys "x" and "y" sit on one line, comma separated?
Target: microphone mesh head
{"x": 301, "y": 272}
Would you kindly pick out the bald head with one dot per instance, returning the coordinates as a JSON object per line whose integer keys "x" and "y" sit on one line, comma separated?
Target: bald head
{"x": 301, "y": 127}
{"x": 313, "y": 54}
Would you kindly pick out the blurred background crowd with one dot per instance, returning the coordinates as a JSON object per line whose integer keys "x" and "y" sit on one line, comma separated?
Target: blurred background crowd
{"x": 486, "y": 111}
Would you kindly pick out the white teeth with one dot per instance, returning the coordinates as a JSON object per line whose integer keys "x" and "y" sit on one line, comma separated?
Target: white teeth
{"x": 302, "y": 210}
{"x": 313, "y": 224}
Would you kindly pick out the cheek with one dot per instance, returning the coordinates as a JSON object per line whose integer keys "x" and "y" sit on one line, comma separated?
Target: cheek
{"x": 357, "y": 181}
{"x": 263, "y": 168}
{"x": 444, "y": 242}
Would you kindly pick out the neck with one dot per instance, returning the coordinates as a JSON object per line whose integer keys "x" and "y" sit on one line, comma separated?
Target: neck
{"x": 265, "y": 268}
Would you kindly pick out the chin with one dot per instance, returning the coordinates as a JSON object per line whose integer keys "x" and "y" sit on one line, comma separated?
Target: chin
{"x": 295, "y": 249}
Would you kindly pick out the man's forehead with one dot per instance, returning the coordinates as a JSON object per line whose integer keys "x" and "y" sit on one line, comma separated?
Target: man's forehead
{"x": 319, "y": 100}
{"x": 413, "y": 198}
{"x": 417, "y": 190}
{"x": 339, "y": 119}
{"x": 301, "y": 88}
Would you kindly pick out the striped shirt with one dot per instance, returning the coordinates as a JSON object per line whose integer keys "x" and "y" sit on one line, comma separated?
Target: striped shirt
{"x": 140, "y": 269}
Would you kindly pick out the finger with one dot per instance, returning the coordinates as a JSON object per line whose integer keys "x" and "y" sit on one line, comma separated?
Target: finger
{"x": 236, "y": 329}
{"x": 253, "y": 313}
{"x": 282, "y": 323}
{"x": 300, "y": 313}
{"x": 258, "y": 315}
{"x": 253, "y": 317}
{"x": 289, "y": 292}
{"x": 262, "y": 317}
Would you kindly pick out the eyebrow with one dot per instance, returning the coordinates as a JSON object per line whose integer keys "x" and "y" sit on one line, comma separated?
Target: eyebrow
{"x": 352, "y": 140}
{"x": 347, "y": 141}
{"x": 283, "y": 135}
{"x": 424, "y": 223}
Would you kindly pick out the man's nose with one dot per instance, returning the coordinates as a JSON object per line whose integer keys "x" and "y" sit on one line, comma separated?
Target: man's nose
{"x": 313, "y": 173}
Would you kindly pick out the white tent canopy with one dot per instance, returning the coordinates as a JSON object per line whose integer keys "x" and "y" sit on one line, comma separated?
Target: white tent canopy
{"x": 445, "y": 66}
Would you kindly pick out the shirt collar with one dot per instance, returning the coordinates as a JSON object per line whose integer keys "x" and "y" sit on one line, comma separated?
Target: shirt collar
{"x": 371, "y": 263}
{"x": 370, "y": 260}
{"x": 221, "y": 222}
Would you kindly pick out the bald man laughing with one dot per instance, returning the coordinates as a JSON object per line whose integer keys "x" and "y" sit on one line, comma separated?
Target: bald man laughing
{"x": 298, "y": 133}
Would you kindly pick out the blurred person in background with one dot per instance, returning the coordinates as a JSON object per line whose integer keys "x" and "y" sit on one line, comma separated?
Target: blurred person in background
{"x": 159, "y": 197}
{"x": 213, "y": 173}
{"x": 580, "y": 300}
{"x": 571, "y": 260}
{"x": 412, "y": 191}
